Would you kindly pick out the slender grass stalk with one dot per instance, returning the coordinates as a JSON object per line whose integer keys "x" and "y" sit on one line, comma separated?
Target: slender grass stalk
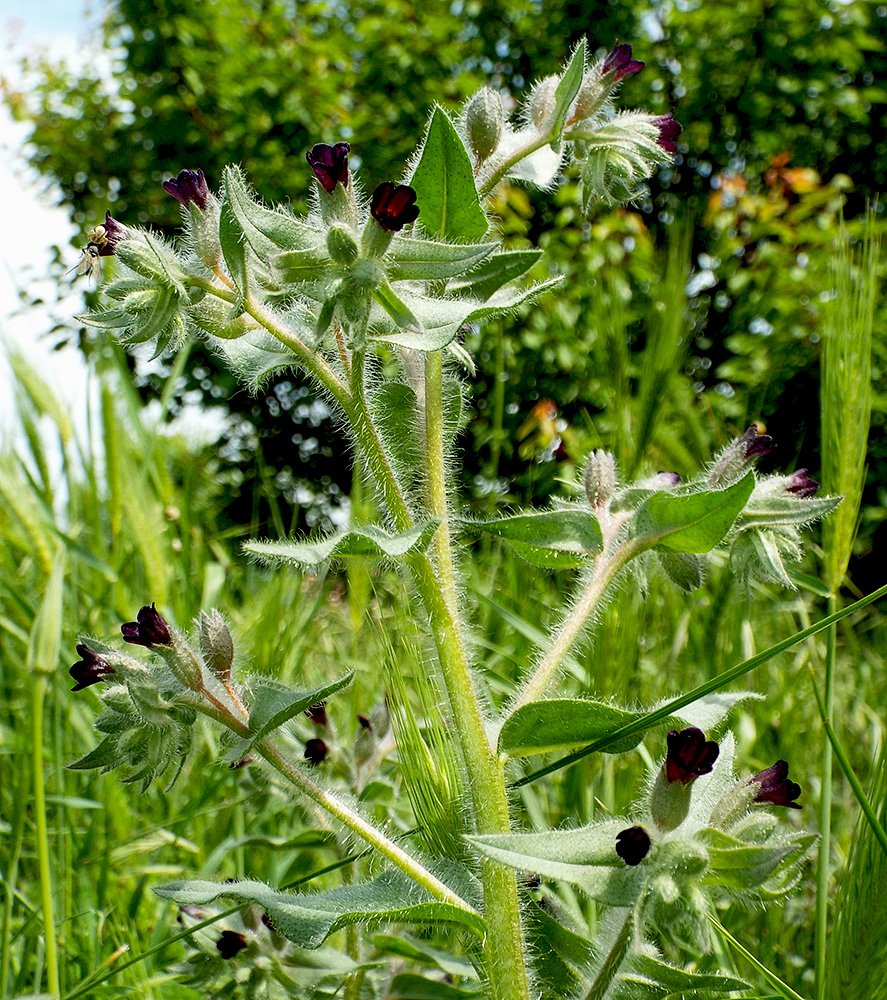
{"x": 782, "y": 988}
{"x": 846, "y": 404}
{"x": 38, "y": 691}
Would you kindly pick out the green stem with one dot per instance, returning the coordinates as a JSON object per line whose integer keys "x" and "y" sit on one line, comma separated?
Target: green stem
{"x": 52, "y": 970}
{"x": 606, "y": 568}
{"x": 505, "y": 958}
{"x": 820, "y": 946}
{"x": 613, "y": 961}
{"x": 785, "y": 990}
{"x": 356, "y": 823}
{"x": 489, "y": 183}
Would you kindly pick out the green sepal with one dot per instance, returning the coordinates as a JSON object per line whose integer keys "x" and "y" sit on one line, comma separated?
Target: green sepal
{"x": 694, "y": 522}
{"x": 309, "y": 264}
{"x": 585, "y": 857}
{"x": 267, "y": 230}
{"x": 105, "y": 755}
{"x": 754, "y": 868}
{"x": 681, "y": 568}
{"x": 234, "y": 249}
{"x": 449, "y": 206}
{"x": 560, "y": 724}
{"x": 552, "y": 538}
{"x": 150, "y": 257}
{"x": 567, "y": 91}
{"x": 364, "y": 541}
{"x": 396, "y": 308}
{"x": 429, "y": 260}
{"x": 308, "y": 919}
{"x": 116, "y": 318}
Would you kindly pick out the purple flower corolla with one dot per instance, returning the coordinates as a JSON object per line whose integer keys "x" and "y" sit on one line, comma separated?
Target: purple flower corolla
{"x": 756, "y": 445}
{"x": 633, "y": 845}
{"x": 113, "y": 232}
{"x": 620, "y": 63}
{"x": 230, "y": 943}
{"x": 393, "y": 206}
{"x": 315, "y": 751}
{"x": 330, "y": 164}
{"x": 669, "y": 130}
{"x": 317, "y": 713}
{"x": 90, "y": 669}
{"x": 801, "y": 485}
{"x": 150, "y": 629}
{"x": 775, "y": 789}
{"x": 190, "y": 188}
{"x": 689, "y": 755}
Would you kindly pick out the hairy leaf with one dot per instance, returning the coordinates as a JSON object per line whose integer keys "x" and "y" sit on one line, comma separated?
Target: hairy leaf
{"x": 363, "y": 541}
{"x": 429, "y": 260}
{"x": 566, "y": 93}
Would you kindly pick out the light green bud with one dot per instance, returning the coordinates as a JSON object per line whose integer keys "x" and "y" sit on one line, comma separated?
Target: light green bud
{"x": 484, "y": 121}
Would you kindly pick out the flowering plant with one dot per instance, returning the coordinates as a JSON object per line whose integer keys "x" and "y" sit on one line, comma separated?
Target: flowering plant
{"x": 368, "y": 297}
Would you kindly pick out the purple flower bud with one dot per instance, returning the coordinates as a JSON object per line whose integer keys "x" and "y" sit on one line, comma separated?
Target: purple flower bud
{"x": 91, "y": 669}
{"x": 689, "y": 755}
{"x": 317, "y": 713}
{"x": 113, "y": 233}
{"x": 393, "y": 206}
{"x": 315, "y": 751}
{"x": 189, "y": 188}
{"x": 149, "y": 629}
{"x": 801, "y": 485}
{"x": 365, "y": 722}
{"x": 330, "y": 164}
{"x": 669, "y": 130}
{"x": 230, "y": 943}
{"x": 756, "y": 445}
{"x": 620, "y": 63}
{"x": 775, "y": 788}
{"x": 633, "y": 845}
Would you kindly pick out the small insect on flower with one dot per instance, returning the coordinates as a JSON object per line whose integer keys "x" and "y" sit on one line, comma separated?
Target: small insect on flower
{"x": 91, "y": 255}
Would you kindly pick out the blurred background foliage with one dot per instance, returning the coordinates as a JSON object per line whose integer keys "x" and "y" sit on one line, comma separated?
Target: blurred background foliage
{"x": 784, "y": 113}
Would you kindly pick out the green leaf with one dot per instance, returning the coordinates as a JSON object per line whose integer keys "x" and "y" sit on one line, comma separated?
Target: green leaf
{"x": 428, "y": 260}
{"x": 233, "y": 249}
{"x": 150, "y": 257}
{"x": 767, "y": 512}
{"x": 559, "y": 724}
{"x": 585, "y": 857}
{"x": 496, "y": 271}
{"x": 408, "y": 986}
{"x": 693, "y": 523}
{"x": 415, "y": 950}
{"x": 449, "y": 207}
{"x": 308, "y": 919}
{"x": 274, "y": 704}
{"x": 647, "y": 971}
{"x": 393, "y": 406}
{"x": 566, "y": 93}
{"x": 442, "y": 319}
{"x": 267, "y": 230}
{"x": 364, "y": 541}
{"x": 387, "y": 298}
{"x": 558, "y": 538}
{"x": 310, "y": 264}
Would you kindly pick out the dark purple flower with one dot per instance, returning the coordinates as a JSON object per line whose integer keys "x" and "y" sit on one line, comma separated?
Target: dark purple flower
{"x": 633, "y": 845}
{"x": 230, "y": 943}
{"x": 149, "y": 630}
{"x": 669, "y": 130}
{"x": 689, "y": 755}
{"x": 775, "y": 788}
{"x": 364, "y": 720}
{"x": 91, "y": 669}
{"x": 620, "y": 63}
{"x": 315, "y": 751}
{"x": 111, "y": 233}
{"x": 330, "y": 164}
{"x": 317, "y": 713}
{"x": 393, "y": 206}
{"x": 189, "y": 188}
{"x": 801, "y": 485}
{"x": 756, "y": 445}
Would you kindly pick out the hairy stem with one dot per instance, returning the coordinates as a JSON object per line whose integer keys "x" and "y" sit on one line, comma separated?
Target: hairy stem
{"x": 606, "y": 568}
{"x": 488, "y": 184}
{"x": 356, "y": 823}
{"x": 613, "y": 961}
{"x": 506, "y": 961}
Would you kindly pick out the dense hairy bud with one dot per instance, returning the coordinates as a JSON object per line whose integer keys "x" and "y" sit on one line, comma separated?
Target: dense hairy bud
{"x": 484, "y": 121}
